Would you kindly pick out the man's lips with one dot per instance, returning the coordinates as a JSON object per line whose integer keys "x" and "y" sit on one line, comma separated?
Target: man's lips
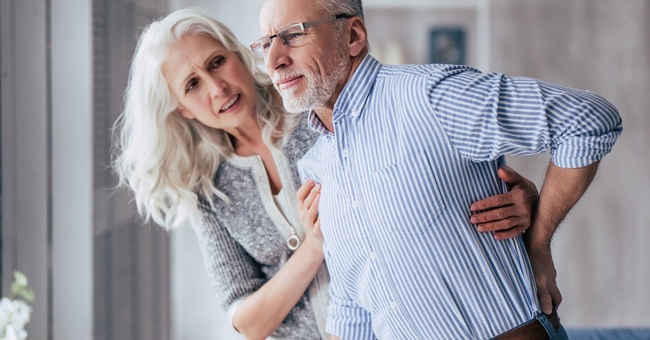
{"x": 287, "y": 82}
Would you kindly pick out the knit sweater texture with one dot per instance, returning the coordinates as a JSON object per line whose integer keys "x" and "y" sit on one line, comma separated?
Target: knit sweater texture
{"x": 244, "y": 241}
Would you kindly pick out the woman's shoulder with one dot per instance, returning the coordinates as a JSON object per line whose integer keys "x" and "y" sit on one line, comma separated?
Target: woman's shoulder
{"x": 301, "y": 139}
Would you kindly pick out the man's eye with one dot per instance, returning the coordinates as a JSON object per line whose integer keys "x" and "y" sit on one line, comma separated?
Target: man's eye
{"x": 292, "y": 36}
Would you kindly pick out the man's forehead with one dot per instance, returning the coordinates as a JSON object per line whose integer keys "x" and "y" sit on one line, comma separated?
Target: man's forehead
{"x": 278, "y": 14}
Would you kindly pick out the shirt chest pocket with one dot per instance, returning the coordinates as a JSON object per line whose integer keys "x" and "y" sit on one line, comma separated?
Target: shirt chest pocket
{"x": 407, "y": 196}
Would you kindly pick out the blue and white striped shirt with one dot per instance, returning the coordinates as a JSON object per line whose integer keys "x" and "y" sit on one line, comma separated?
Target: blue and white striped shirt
{"x": 414, "y": 146}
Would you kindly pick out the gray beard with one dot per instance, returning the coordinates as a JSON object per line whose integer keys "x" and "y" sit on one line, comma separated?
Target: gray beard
{"x": 319, "y": 88}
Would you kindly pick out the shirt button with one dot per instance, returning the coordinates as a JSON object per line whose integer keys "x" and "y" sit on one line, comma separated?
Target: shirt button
{"x": 345, "y": 152}
{"x": 355, "y": 204}
{"x": 354, "y": 113}
{"x": 393, "y": 305}
{"x": 373, "y": 255}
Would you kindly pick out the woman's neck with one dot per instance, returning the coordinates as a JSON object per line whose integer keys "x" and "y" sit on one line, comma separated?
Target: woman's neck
{"x": 247, "y": 139}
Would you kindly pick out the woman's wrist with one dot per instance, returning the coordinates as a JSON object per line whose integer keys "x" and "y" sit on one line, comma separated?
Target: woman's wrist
{"x": 313, "y": 248}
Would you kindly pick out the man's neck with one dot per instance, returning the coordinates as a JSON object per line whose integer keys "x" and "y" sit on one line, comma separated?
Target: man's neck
{"x": 325, "y": 113}
{"x": 325, "y": 116}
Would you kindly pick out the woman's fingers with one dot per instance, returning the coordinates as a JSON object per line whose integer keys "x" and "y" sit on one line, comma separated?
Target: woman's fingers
{"x": 308, "y": 197}
{"x": 304, "y": 190}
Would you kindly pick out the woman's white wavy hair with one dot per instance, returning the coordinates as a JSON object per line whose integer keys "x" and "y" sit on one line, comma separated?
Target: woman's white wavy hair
{"x": 168, "y": 160}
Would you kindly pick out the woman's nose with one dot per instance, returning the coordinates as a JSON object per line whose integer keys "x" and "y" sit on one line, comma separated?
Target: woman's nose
{"x": 217, "y": 86}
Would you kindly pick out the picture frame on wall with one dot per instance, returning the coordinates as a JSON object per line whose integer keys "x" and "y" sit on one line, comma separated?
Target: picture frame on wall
{"x": 447, "y": 45}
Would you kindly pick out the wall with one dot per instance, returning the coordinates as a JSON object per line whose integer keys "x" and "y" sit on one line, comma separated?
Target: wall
{"x": 64, "y": 66}
{"x": 240, "y": 16}
{"x": 131, "y": 262}
{"x": 601, "y": 250}
{"x": 26, "y": 218}
{"x": 45, "y": 62}
{"x": 196, "y": 312}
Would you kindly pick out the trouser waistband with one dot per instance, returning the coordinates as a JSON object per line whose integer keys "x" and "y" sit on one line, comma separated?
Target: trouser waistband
{"x": 536, "y": 329}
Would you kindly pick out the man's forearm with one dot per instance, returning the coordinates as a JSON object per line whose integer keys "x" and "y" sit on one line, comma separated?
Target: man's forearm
{"x": 561, "y": 190}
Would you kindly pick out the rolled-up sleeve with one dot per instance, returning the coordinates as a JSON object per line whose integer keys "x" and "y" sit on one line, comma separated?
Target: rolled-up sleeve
{"x": 489, "y": 115}
{"x": 584, "y": 126}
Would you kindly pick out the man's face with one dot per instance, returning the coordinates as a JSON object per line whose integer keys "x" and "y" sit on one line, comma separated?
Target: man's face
{"x": 311, "y": 74}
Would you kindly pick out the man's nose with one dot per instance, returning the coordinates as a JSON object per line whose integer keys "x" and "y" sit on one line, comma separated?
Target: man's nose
{"x": 277, "y": 55}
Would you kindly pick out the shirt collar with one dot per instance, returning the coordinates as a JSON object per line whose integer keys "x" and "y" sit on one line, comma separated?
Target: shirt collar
{"x": 315, "y": 124}
{"x": 353, "y": 97}
{"x": 356, "y": 90}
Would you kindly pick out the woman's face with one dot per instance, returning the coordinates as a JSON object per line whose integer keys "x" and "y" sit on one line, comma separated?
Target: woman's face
{"x": 210, "y": 83}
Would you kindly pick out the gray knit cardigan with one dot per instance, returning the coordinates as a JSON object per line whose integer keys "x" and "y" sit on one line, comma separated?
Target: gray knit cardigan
{"x": 244, "y": 242}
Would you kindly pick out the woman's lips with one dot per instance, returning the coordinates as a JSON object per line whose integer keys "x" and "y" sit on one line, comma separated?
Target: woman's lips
{"x": 230, "y": 104}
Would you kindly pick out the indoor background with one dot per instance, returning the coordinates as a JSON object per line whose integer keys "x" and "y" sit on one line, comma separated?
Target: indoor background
{"x": 98, "y": 273}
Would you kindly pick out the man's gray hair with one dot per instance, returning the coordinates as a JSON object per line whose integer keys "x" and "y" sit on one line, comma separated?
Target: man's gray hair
{"x": 334, "y": 7}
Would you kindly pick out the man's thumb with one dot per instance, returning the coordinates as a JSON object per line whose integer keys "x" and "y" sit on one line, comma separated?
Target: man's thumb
{"x": 508, "y": 175}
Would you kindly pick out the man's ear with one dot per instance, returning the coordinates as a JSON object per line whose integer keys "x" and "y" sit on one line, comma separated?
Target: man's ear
{"x": 185, "y": 113}
{"x": 358, "y": 36}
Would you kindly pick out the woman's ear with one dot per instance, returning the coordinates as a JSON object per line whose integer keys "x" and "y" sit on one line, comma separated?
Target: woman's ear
{"x": 358, "y": 36}
{"x": 185, "y": 113}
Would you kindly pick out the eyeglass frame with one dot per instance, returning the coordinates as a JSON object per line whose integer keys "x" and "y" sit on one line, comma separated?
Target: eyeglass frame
{"x": 259, "y": 43}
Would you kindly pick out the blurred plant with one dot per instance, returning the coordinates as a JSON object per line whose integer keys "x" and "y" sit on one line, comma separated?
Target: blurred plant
{"x": 15, "y": 310}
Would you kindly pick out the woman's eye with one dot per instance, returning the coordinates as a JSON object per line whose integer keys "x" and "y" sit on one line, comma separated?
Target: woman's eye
{"x": 218, "y": 61}
{"x": 191, "y": 85}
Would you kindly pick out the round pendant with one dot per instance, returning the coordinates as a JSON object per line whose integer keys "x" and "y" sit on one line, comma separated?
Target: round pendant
{"x": 293, "y": 242}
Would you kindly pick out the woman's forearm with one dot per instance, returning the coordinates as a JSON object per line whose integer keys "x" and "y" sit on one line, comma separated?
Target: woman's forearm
{"x": 263, "y": 311}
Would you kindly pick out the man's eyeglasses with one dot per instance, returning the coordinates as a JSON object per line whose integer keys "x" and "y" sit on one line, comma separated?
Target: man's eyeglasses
{"x": 291, "y": 35}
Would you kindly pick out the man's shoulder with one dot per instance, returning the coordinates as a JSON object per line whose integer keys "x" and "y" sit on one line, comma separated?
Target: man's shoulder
{"x": 421, "y": 70}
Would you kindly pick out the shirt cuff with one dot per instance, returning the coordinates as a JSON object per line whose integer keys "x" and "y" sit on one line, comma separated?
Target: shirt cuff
{"x": 581, "y": 151}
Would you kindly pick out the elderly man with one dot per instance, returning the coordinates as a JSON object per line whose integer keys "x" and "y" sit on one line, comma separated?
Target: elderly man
{"x": 403, "y": 151}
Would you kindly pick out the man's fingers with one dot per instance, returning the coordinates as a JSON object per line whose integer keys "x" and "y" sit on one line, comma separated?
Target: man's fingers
{"x": 504, "y": 224}
{"x": 510, "y": 233}
{"x": 556, "y": 296}
{"x": 495, "y": 215}
{"x": 546, "y": 301}
{"x": 492, "y": 202}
